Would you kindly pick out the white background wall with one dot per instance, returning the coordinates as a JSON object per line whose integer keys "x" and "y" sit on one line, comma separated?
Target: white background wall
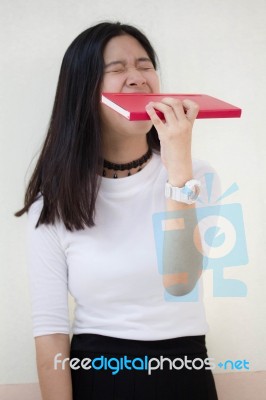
{"x": 208, "y": 46}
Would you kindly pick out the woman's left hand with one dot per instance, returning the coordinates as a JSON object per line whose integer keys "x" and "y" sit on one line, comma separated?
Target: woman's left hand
{"x": 175, "y": 134}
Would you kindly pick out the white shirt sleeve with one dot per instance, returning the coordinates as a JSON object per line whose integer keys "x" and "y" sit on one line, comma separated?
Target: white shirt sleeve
{"x": 48, "y": 275}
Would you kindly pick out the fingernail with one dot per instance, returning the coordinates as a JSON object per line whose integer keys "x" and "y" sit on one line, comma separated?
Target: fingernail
{"x": 149, "y": 106}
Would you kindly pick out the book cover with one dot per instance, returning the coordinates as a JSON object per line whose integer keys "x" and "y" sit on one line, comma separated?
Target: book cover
{"x": 132, "y": 105}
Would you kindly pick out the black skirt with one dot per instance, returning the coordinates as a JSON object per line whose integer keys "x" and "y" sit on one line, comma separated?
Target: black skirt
{"x": 122, "y": 369}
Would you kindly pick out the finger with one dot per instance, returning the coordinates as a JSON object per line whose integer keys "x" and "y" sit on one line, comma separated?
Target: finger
{"x": 177, "y": 107}
{"x": 183, "y": 109}
{"x": 167, "y": 110}
{"x": 191, "y": 109}
{"x": 156, "y": 120}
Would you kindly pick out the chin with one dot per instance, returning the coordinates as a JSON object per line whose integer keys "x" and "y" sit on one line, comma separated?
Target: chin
{"x": 114, "y": 122}
{"x": 138, "y": 127}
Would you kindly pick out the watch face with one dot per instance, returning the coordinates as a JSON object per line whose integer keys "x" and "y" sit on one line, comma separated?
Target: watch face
{"x": 195, "y": 191}
{"x": 192, "y": 190}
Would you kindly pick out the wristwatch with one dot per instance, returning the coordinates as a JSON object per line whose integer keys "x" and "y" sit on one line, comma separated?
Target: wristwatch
{"x": 187, "y": 194}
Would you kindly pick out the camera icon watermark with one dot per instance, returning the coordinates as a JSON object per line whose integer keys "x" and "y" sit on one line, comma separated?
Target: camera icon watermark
{"x": 223, "y": 242}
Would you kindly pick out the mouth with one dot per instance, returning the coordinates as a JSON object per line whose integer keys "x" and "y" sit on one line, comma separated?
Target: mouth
{"x": 137, "y": 92}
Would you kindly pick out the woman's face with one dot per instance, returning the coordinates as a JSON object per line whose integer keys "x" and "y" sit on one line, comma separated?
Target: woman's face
{"x": 128, "y": 69}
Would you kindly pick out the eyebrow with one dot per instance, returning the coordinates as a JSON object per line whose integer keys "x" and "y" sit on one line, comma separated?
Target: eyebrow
{"x": 123, "y": 62}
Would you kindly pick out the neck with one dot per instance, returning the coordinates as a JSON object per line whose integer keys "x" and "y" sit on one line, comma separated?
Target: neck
{"x": 124, "y": 151}
{"x": 120, "y": 155}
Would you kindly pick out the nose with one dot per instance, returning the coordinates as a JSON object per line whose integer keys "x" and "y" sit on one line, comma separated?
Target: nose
{"x": 135, "y": 78}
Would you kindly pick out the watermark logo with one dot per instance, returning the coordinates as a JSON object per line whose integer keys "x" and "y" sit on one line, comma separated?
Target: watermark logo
{"x": 223, "y": 242}
{"x": 145, "y": 363}
{"x": 234, "y": 365}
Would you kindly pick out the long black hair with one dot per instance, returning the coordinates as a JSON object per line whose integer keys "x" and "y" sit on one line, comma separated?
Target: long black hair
{"x": 66, "y": 173}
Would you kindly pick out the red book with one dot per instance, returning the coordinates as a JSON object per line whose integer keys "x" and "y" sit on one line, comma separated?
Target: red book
{"x": 132, "y": 105}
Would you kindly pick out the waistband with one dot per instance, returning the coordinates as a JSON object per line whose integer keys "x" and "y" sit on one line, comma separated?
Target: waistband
{"x": 100, "y": 344}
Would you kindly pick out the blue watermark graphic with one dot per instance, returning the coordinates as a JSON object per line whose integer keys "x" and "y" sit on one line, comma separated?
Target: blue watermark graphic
{"x": 223, "y": 241}
{"x": 231, "y": 365}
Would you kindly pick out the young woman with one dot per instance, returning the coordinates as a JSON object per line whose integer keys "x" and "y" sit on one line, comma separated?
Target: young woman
{"x": 99, "y": 181}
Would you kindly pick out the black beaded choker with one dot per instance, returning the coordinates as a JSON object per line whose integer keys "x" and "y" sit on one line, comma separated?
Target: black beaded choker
{"x": 127, "y": 166}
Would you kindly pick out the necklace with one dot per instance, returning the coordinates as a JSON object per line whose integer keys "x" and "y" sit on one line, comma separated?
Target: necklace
{"x": 128, "y": 166}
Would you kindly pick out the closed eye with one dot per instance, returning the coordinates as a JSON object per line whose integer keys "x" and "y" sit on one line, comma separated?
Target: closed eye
{"x": 145, "y": 68}
{"x": 145, "y": 65}
{"x": 115, "y": 66}
{"x": 115, "y": 71}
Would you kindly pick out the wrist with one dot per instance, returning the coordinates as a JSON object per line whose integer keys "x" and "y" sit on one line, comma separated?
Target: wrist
{"x": 180, "y": 173}
{"x": 179, "y": 181}
{"x": 179, "y": 178}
